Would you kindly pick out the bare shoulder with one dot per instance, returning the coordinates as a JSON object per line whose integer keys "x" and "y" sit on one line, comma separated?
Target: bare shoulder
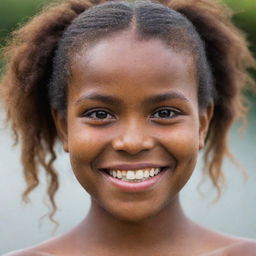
{"x": 28, "y": 252}
{"x": 55, "y": 246}
{"x": 43, "y": 249}
{"x": 245, "y": 248}
{"x": 221, "y": 244}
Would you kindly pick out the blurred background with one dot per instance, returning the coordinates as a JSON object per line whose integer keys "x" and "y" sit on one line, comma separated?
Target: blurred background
{"x": 22, "y": 226}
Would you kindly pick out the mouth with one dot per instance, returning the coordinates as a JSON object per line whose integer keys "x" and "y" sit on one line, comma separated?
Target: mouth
{"x": 135, "y": 180}
{"x": 135, "y": 175}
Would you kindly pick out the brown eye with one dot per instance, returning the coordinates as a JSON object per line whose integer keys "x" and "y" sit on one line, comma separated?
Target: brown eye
{"x": 98, "y": 114}
{"x": 101, "y": 114}
{"x": 166, "y": 113}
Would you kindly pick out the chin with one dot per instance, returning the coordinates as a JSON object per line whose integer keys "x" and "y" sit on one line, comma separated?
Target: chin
{"x": 135, "y": 217}
{"x": 134, "y": 212}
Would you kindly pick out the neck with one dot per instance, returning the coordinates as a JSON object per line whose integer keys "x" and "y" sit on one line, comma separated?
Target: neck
{"x": 168, "y": 225}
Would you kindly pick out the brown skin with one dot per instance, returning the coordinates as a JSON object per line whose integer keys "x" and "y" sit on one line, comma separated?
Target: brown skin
{"x": 150, "y": 222}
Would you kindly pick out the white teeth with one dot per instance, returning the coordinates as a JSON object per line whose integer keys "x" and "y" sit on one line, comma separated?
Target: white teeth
{"x": 152, "y": 172}
{"x": 119, "y": 174}
{"x": 130, "y": 175}
{"x": 139, "y": 174}
{"x": 146, "y": 174}
{"x": 157, "y": 170}
{"x": 134, "y": 175}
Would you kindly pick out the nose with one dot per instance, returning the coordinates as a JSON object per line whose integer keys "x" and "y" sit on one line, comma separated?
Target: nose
{"x": 133, "y": 139}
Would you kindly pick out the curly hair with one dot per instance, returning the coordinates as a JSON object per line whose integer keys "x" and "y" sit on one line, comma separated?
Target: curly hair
{"x": 37, "y": 68}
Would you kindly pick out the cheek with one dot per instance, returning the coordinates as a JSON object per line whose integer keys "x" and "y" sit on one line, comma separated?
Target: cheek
{"x": 86, "y": 143}
{"x": 181, "y": 143}
{"x": 85, "y": 146}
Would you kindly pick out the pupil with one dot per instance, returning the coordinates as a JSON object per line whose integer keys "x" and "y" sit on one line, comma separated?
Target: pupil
{"x": 164, "y": 113}
{"x": 101, "y": 114}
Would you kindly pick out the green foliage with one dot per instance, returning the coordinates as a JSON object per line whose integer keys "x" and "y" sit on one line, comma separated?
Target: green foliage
{"x": 245, "y": 18}
{"x": 15, "y": 12}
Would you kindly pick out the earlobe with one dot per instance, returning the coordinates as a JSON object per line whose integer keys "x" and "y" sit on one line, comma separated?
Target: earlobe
{"x": 61, "y": 127}
{"x": 205, "y": 119}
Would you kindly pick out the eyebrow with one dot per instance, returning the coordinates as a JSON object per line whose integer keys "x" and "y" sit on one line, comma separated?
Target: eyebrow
{"x": 165, "y": 96}
{"x": 100, "y": 97}
{"x": 111, "y": 100}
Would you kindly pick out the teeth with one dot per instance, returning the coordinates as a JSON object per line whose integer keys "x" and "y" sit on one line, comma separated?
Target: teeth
{"x": 152, "y": 172}
{"x": 139, "y": 175}
{"x": 130, "y": 175}
{"x": 134, "y": 175}
{"x": 119, "y": 174}
{"x": 156, "y": 171}
{"x": 146, "y": 174}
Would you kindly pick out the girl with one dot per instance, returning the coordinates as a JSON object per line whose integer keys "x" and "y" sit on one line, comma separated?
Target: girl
{"x": 133, "y": 90}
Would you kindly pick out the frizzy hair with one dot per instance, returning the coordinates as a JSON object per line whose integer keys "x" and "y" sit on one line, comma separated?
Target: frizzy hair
{"x": 30, "y": 71}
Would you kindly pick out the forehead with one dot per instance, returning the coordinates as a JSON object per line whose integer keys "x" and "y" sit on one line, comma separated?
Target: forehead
{"x": 122, "y": 58}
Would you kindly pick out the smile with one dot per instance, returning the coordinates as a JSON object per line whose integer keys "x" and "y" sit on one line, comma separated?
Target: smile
{"x": 134, "y": 180}
{"x": 134, "y": 175}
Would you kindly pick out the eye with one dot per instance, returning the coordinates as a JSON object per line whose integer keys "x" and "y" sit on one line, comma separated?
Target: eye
{"x": 166, "y": 113}
{"x": 98, "y": 115}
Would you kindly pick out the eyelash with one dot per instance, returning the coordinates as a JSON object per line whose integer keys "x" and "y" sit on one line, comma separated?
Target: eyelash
{"x": 89, "y": 113}
{"x": 174, "y": 113}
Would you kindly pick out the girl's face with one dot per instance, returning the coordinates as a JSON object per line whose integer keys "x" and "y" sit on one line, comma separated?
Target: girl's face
{"x": 133, "y": 105}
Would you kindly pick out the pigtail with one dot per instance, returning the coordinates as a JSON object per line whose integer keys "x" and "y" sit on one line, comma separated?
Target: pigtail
{"x": 24, "y": 89}
{"x": 229, "y": 57}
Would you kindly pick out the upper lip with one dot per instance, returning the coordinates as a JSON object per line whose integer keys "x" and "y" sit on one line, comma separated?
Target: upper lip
{"x": 132, "y": 166}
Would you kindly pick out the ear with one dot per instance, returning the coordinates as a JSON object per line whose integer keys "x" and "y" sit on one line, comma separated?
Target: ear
{"x": 61, "y": 126}
{"x": 205, "y": 119}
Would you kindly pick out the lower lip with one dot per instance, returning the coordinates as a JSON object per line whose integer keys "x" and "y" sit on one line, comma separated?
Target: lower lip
{"x": 135, "y": 186}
